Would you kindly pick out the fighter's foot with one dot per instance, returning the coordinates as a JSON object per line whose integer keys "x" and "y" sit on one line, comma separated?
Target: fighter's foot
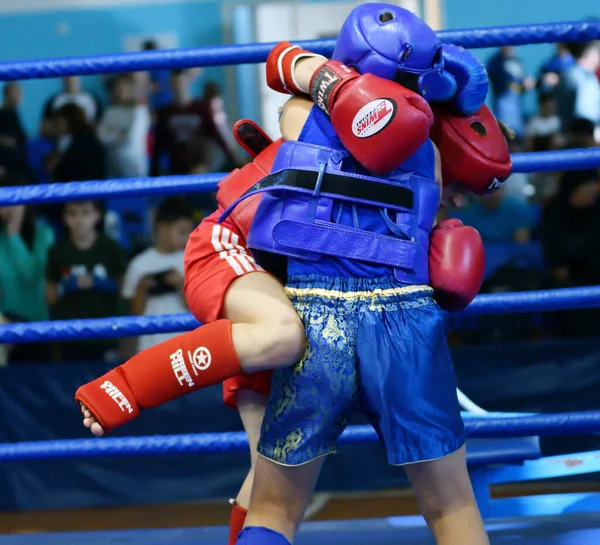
{"x": 89, "y": 421}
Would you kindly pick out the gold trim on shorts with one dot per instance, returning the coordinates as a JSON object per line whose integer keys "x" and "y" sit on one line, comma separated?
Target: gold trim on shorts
{"x": 357, "y": 295}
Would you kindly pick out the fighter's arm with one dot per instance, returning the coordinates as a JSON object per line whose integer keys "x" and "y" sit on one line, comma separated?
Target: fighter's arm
{"x": 379, "y": 122}
{"x": 291, "y": 68}
{"x": 293, "y": 116}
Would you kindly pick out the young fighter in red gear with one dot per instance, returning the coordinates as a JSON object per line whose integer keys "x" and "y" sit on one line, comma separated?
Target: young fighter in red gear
{"x": 455, "y": 268}
{"x": 234, "y": 249}
{"x": 261, "y": 330}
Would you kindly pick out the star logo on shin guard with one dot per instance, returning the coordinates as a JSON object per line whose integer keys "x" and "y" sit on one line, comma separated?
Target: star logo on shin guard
{"x": 200, "y": 359}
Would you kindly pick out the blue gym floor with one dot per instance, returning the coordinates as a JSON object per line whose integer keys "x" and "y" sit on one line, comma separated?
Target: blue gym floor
{"x": 572, "y": 529}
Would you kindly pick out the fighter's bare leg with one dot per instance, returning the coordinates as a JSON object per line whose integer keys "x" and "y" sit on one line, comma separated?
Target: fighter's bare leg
{"x": 281, "y": 494}
{"x": 446, "y": 499}
{"x": 255, "y": 313}
{"x": 251, "y": 406}
{"x": 266, "y": 330}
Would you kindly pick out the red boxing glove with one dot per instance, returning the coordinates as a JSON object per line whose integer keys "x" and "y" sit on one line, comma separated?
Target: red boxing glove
{"x": 281, "y": 63}
{"x": 381, "y": 123}
{"x": 456, "y": 264}
{"x": 473, "y": 149}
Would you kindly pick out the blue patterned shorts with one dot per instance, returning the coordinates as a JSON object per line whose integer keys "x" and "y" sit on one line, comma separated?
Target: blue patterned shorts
{"x": 374, "y": 346}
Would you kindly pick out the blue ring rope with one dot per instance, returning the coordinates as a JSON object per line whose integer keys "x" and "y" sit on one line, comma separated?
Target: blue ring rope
{"x": 552, "y": 161}
{"x": 98, "y": 189}
{"x": 207, "y": 443}
{"x": 133, "y": 326}
{"x": 255, "y": 53}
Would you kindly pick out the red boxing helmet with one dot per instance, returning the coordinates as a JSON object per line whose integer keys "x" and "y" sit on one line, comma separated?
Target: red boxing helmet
{"x": 473, "y": 149}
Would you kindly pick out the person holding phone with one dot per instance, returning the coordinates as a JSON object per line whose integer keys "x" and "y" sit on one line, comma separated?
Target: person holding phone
{"x": 154, "y": 279}
{"x": 83, "y": 277}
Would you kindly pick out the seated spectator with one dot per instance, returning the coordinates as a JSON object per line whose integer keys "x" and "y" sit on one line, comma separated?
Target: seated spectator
{"x": 570, "y": 233}
{"x": 80, "y": 154}
{"x": 73, "y": 94}
{"x": 124, "y": 130}
{"x": 499, "y": 218}
{"x": 83, "y": 276}
{"x": 154, "y": 279}
{"x": 24, "y": 246}
{"x": 578, "y": 93}
{"x": 181, "y": 122}
{"x": 546, "y": 124}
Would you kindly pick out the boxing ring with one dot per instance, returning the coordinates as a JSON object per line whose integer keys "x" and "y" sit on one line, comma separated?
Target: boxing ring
{"x": 502, "y": 448}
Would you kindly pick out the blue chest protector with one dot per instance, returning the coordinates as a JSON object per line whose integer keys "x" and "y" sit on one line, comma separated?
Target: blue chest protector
{"x": 333, "y": 218}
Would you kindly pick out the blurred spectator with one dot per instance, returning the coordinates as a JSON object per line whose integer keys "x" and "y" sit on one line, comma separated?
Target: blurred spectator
{"x": 518, "y": 186}
{"x": 24, "y": 246}
{"x": 211, "y": 94}
{"x": 160, "y": 89}
{"x": 552, "y": 69}
{"x": 4, "y": 348}
{"x": 13, "y": 140}
{"x": 181, "y": 122}
{"x": 499, "y": 218}
{"x": 571, "y": 239}
{"x": 83, "y": 275}
{"x": 73, "y": 94}
{"x": 544, "y": 125}
{"x": 580, "y": 133}
{"x": 203, "y": 204}
{"x": 197, "y": 156}
{"x": 508, "y": 82}
{"x": 543, "y": 133}
{"x": 80, "y": 154}
{"x": 579, "y": 89}
{"x": 39, "y": 150}
{"x": 154, "y": 280}
{"x": 12, "y": 134}
{"x": 124, "y": 130}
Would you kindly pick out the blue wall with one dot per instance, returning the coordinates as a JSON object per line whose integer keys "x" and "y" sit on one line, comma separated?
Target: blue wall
{"x": 485, "y": 13}
{"x": 95, "y": 31}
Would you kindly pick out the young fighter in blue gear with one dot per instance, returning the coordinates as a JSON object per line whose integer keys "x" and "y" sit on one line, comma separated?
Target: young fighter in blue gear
{"x": 346, "y": 99}
{"x": 358, "y": 276}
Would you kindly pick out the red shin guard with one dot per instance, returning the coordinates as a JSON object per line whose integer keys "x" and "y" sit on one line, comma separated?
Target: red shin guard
{"x": 236, "y": 522}
{"x": 188, "y": 362}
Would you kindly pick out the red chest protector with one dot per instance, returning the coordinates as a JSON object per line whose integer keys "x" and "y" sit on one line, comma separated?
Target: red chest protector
{"x": 233, "y": 186}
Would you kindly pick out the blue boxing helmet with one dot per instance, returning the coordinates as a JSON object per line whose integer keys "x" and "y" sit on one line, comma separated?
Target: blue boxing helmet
{"x": 391, "y": 42}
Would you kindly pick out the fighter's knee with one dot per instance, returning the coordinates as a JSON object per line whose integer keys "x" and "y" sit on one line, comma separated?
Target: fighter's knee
{"x": 289, "y": 337}
{"x": 435, "y": 507}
